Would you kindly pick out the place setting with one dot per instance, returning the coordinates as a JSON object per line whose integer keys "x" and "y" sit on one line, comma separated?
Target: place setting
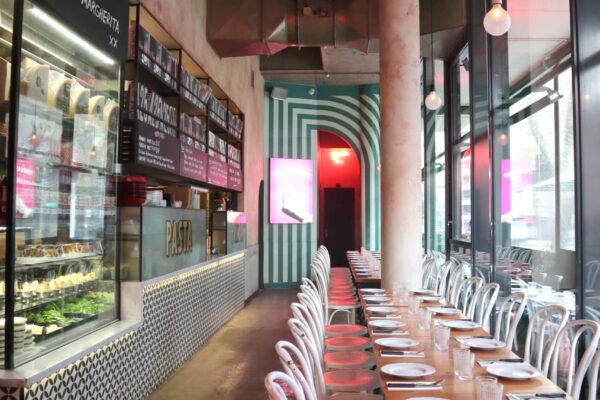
{"x": 410, "y": 371}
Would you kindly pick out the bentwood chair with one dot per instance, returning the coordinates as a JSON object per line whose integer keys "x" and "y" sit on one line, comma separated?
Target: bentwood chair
{"x": 453, "y": 286}
{"x": 466, "y": 293}
{"x": 339, "y": 380}
{"x": 483, "y": 303}
{"x": 568, "y": 348}
{"x": 274, "y": 382}
{"x": 509, "y": 315}
{"x": 542, "y": 335}
{"x": 595, "y": 370}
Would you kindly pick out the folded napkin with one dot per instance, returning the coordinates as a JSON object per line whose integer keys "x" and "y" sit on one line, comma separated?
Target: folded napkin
{"x": 402, "y": 354}
{"x": 399, "y": 386}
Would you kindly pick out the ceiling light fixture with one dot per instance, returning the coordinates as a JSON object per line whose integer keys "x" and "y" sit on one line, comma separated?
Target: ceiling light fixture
{"x": 497, "y": 21}
{"x": 432, "y": 101}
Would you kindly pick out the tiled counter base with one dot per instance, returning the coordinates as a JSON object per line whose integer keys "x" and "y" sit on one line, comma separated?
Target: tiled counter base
{"x": 164, "y": 321}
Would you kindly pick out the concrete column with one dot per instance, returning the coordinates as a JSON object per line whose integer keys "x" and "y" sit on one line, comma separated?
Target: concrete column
{"x": 400, "y": 143}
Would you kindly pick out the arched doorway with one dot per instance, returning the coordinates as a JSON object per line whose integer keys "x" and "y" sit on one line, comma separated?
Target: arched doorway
{"x": 339, "y": 186}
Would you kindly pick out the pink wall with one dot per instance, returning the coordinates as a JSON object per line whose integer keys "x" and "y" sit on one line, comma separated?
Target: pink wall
{"x": 186, "y": 22}
{"x": 347, "y": 175}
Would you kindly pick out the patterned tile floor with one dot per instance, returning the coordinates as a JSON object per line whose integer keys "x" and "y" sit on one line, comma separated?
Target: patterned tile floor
{"x": 234, "y": 362}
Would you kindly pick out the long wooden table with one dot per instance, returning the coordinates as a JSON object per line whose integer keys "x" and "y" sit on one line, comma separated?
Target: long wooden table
{"x": 360, "y": 280}
{"x": 452, "y": 387}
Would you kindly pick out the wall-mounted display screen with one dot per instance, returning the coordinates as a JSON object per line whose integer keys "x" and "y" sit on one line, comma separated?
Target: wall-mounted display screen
{"x": 291, "y": 191}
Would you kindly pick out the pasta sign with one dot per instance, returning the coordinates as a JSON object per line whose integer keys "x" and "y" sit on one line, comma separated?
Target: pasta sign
{"x": 178, "y": 237}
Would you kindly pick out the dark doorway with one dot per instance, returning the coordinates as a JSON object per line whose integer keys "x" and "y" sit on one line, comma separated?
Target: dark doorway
{"x": 339, "y": 223}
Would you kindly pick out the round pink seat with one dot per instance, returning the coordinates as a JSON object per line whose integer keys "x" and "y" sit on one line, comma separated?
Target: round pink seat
{"x": 345, "y": 330}
{"x": 351, "y": 380}
{"x": 349, "y": 360}
{"x": 347, "y": 343}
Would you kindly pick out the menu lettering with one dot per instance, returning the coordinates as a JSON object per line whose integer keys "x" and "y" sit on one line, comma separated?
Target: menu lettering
{"x": 178, "y": 237}
{"x": 218, "y": 173}
{"x": 156, "y": 149}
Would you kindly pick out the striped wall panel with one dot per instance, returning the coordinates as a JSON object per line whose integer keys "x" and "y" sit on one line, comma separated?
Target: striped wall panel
{"x": 291, "y": 128}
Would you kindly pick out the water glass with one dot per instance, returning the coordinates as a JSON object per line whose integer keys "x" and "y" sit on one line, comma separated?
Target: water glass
{"x": 487, "y": 388}
{"x": 464, "y": 361}
{"x": 413, "y": 305}
{"x": 424, "y": 319}
{"x": 441, "y": 337}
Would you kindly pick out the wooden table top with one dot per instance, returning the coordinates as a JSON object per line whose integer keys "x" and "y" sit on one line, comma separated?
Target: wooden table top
{"x": 452, "y": 387}
{"x": 358, "y": 279}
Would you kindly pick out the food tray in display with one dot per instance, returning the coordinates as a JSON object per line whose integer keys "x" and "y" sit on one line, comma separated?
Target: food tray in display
{"x": 30, "y": 261}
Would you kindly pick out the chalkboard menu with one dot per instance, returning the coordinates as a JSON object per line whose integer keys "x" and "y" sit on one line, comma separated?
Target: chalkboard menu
{"x": 193, "y": 162}
{"x": 157, "y": 149}
{"x": 235, "y": 181}
{"x": 218, "y": 173}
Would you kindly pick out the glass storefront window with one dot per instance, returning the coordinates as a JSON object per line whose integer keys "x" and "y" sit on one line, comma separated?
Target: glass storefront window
{"x": 461, "y": 151}
{"x": 534, "y": 156}
{"x": 65, "y": 199}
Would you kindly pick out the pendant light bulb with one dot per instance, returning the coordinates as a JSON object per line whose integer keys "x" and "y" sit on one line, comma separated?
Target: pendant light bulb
{"x": 497, "y": 21}
{"x": 433, "y": 101}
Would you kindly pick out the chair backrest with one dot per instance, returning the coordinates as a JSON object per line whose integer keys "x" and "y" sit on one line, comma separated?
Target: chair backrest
{"x": 454, "y": 280}
{"x": 482, "y": 304}
{"x": 595, "y": 369}
{"x": 291, "y": 357}
{"x": 311, "y": 353}
{"x": 440, "y": 281}
{"x": 509, "y": 315}
{"x": 466, "y": 293}
{"x": 542, "y": 334}
{"x": 556, "y": 281}
{"x": 568, "y": 342}
{"x": 273, "y": 384}
{"x": 302, "y": 312}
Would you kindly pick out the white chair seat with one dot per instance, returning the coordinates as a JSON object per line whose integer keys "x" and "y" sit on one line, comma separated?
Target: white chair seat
{"x": 348, "y": 343}
{"x": 354, "y": 396}
{"x": 351, "y": 380}
{"x": 349, "y": 360}
{"x": 345, "y": 330}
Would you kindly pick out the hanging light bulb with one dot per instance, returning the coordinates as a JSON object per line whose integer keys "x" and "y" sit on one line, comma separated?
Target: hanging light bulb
{"x": 497, "y": 20}
{"x": 433, "y": 101}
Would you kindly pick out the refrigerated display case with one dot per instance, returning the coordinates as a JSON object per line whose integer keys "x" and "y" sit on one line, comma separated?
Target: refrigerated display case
{"x": 62, "y": 267}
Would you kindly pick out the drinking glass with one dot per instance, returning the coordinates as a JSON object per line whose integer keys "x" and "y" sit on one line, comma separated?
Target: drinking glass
{"x": 487, "y": 388}
{"x": 424, "y": 319}
{"x": 464, "y": 361}
{"x": 413, "y": 305}
{"x": 441, "y": 337}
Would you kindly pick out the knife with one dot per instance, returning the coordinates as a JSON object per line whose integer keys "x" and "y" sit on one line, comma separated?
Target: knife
{"x": 391, "y": 332}
{"x": 401, "y": 353}
{"x": 537, "y": 396}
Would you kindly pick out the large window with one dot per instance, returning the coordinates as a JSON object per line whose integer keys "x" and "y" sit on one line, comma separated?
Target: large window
{"x": 461, "y": 152}
{"x": 534, "y": 155}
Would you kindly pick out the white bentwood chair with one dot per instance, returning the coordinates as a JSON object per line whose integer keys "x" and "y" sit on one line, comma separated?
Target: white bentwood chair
{"x": 542, "y": 335}
{"x": 510, "y": 312}
{"x": 568, "y": 340}
{"x": 274, "y": 382}
{"x": 483, "y": 303}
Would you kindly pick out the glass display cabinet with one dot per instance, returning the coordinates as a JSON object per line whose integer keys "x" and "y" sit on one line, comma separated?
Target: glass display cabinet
{"x": 64, "y": 210}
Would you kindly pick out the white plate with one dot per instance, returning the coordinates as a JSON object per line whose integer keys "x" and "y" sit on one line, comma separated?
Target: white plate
{"x": 430, "y": 299}
{"x": 423, "y": 291}
{"x": 483, "y": 344}
{"x": 408, "y": 370}
{"x": 386, "y": 324}
{"x": 382, "y": 310}
{"x": 427, "y": 398}
{"x": 372, "y": 290}
{"x": 380, "y": 299}
{"x": 444, "y": 310}
{"x": 397, "y": 343}
{"x": 519, "y": 372}
{"x": 460, "y": 325}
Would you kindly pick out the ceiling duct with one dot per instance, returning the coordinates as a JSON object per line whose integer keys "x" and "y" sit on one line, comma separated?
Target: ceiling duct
{"x": 264, "y": 27}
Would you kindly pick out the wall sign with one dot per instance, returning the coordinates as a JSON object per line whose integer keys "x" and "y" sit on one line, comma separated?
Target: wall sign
{"x": 291, "y": 191}
{"x": 101, "y": 22}
{"x": 218, "y": 173}
{"x": 193, "y": 162}
{"x": 157, "y": 149}
{"x": 235, "y": 179}
{"x": 178, "y": 237}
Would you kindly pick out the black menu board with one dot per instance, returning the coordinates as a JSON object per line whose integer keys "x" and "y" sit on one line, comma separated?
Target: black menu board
{"x": 156, "y": 149}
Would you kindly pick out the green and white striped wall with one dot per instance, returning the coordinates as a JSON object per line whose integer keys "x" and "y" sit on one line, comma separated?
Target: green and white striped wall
{"x": 291, "y": 128}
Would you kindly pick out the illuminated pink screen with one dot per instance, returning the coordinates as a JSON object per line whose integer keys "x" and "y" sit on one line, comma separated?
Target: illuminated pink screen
{"x": 290, "y": 191}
